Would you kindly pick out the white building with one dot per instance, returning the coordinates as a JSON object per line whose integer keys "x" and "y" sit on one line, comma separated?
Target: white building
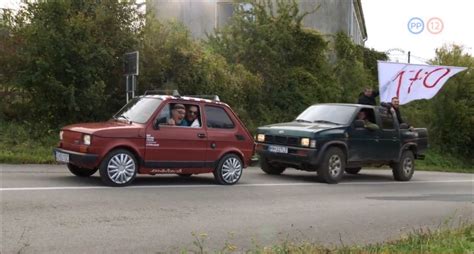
{"x": 203, "y": 16}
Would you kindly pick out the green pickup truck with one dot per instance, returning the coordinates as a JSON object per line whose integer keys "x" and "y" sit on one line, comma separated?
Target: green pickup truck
{"x": 335, "y": 138}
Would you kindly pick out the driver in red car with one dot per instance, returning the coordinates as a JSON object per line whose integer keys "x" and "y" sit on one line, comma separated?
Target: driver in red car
{"x": 177, "y": 115}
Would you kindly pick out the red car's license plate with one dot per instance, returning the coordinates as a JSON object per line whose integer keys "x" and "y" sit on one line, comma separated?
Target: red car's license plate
{"x": 62, "y": 157}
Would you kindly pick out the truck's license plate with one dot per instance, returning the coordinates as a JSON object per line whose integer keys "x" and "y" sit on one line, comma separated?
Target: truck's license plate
{"x": 278, "y": 149}
{"x": 62, "y": 157}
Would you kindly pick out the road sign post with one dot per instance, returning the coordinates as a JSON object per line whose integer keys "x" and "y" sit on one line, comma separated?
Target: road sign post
{"x": 131, "y": 61}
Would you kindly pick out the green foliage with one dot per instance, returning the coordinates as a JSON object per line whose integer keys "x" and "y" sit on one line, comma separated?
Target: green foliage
{"x": 444, "y": 239}
{"x": 355, "y": 67}
{"x": 270, "y": 42}
{"x": 449, "y": 116}
{"x": 70, "y": 57}
{"x": 24, "y": 143}
{"x": 171, "y": 59}
{"x": 439, "y": 161}
{"x": 61, "y": 62}
{"x": 294, "y": 62}
{"x": 452, "y": 110}
{"x": 429, "y": 241}
{"x": 10, "y": 66}
{"x": 265, "y": 64}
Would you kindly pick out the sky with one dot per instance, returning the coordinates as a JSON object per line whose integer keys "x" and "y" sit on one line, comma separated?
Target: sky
{"x": 10, "y": 4}
{"x": 387, "y": 23}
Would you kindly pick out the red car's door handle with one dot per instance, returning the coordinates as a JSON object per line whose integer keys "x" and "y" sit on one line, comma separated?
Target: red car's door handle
{"x": 201, "y": 135}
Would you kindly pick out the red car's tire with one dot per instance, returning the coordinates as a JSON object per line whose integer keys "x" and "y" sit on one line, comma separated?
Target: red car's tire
{"x": 229, "y": 170}
{"x": 119, "y": 168}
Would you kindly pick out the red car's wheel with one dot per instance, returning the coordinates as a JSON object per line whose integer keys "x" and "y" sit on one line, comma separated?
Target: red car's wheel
{"x": 119, "y": 168}
{"x": 229, "y": 170}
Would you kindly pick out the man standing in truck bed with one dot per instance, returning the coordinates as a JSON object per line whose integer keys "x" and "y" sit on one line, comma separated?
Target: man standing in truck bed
{"x": 368, "y": 97}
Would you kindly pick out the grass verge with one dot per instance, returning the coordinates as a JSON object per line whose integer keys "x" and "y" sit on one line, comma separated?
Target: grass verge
{"x": 424, "y": 241}
{"x": 448, "y": 240}
{"x": 21, "y": 144}
{"x": 436, "y": 161}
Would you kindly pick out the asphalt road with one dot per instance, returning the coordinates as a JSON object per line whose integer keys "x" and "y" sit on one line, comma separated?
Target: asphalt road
{"x": 45, "y": 209}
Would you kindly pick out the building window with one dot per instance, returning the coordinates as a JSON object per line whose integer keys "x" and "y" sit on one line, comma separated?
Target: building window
{"x": 225, "y": 10}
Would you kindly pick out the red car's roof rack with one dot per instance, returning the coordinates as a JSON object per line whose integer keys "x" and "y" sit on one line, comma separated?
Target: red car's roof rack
{"x": 209, "y": 97}
{"x": 163, "y": 92}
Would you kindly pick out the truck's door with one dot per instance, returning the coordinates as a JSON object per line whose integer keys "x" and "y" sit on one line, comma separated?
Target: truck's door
{"x": 389, "y": 135}
{"x": 364, "y": 144}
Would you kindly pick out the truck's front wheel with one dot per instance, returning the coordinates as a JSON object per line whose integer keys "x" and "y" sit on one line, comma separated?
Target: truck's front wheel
{"x": 269, "y": 168}
{"x": 353, "y": 171}
{"x": 81, "y": 172}
{"x": 403, "y": 169}
{"x": 333, "y": 165}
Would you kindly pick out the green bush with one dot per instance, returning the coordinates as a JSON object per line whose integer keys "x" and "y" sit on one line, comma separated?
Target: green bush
{"x": 449, "y": 116}
{"x": 172, "y": 60}
{"x": 25, "y": 143}
{"x": 270, "y": 41}
{"x": 69, "y": 58}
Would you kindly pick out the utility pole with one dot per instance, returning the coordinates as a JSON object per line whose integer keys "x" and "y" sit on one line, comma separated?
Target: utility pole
{"x": 409, "y": 53}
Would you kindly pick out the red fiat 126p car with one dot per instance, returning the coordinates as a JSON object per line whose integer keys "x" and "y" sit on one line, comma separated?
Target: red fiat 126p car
{"x": 159, "y": 134}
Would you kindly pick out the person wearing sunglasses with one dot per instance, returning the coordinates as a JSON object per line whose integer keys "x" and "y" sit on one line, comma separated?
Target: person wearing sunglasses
{"x": 192, "y": 116}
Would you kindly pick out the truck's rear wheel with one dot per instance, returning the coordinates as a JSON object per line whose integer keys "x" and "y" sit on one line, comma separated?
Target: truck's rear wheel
{"x": 403, "y": 169}
{"x": 269, "y": 168}
{"x": 353, "y": 171}
{"x": 81, "y": 172}
{"x": 333, "y": 165}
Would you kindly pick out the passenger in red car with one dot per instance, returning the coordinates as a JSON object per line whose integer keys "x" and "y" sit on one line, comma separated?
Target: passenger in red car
{"x": 192, "y": 117}
{"x": 177, "y": 115}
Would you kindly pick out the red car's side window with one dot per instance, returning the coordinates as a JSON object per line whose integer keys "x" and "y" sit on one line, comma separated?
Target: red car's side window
{"x": 218, "y": 118}
{"x": 180, "y": 115}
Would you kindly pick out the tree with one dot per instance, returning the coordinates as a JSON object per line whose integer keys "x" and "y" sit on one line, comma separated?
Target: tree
{"x": 72, "y": 57}
{"x": 10, "y": 63}
{"x": 451, "y": 111}
{"x": 355, "y": 67}
{"x": 269, "y": 40}
{"x": 172, "y": 60}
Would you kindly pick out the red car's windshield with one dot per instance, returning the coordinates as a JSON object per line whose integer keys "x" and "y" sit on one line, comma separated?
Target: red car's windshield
{"x": 139, "y": 109}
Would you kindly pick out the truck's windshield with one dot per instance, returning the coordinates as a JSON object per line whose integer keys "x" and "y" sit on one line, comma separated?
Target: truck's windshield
{"x": 138, "y": 110}
{"x": 330, "y": 114}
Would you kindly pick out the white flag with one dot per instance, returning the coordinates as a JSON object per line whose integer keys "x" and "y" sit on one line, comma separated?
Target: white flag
{"x": 412, "y": 81}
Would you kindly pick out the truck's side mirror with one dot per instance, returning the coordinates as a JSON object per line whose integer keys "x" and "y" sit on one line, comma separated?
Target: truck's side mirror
{"x": 404, "y": 126}
{"x": 359, "y": 124}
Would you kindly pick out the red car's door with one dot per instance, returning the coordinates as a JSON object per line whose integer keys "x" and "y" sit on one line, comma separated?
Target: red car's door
{"x": 175, "y": 149}
{"x": 224, "y": 134}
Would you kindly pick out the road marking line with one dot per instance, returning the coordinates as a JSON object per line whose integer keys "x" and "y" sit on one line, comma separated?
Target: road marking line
{"x": 410, "y": 182}
{"x": 221, "y": 186}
